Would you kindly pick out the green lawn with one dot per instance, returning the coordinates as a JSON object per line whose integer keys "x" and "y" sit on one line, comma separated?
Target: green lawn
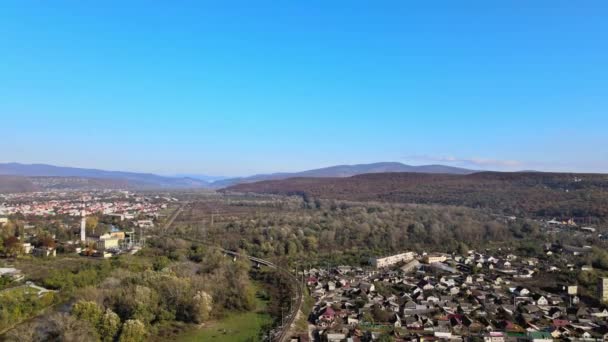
{"x": 235, "y": 327}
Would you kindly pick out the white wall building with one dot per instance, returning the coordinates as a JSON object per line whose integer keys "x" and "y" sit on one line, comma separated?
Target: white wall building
{"x": 392, "y": 260}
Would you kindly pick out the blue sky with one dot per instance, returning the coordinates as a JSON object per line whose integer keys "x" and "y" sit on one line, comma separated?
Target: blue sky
{"x": 242, "y": 87}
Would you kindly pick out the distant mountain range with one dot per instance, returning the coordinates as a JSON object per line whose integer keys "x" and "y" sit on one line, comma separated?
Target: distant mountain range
{"x": 129, "y": 179}
{"x": 347, "y": 171}
{"x": 29, "y": 177}
{"x": 206, "y": 178}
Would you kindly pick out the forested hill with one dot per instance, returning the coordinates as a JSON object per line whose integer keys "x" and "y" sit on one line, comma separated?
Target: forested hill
{"x": 518, "y": 193}
{"x": 347, "y": 171}
{"x": 15, "y": 184}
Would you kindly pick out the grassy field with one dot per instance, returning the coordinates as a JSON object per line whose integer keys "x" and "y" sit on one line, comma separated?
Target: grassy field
{"x": 235, "y": 327}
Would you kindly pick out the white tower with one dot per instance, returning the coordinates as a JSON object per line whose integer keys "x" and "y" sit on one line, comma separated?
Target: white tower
{"x": 83, "y": 225}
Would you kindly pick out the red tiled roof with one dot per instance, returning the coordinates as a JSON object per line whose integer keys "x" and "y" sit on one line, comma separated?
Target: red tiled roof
{"x": 329, "y": 312}
{"x": 560, "y": 323}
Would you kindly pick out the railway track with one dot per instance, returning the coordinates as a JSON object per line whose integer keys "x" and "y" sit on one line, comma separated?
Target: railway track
{"x": 283, "y": 334}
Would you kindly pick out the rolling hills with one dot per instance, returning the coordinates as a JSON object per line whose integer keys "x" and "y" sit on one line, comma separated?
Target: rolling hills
{"x": 517, "y": 193}
{"x": 347, "y": 171}
{"x": 16, "y": 184}
{"x": 52, "y": 177}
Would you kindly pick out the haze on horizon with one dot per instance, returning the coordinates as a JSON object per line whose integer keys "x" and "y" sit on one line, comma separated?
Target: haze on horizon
{"x": 238, "y": 88}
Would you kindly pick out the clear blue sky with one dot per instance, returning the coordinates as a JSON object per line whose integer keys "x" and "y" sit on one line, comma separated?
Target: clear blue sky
{"x": 241, "y": 87}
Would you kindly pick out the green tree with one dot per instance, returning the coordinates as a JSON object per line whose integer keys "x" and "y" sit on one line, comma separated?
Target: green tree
{"x": 91, "y": 224}
{"x": 160, "y": 263}
{"x": 108, "y": 326}
{"x": 291, "y": 248}
{"x": 368, "y": 317}
{"x": 135, "y": 302}
{"x": 88, "y": 311}
{"x": 200, "y": 307}
{"x": 311, "y": 243}
{"x": 385, "y": 338}
{"x": 133, "y": 330}
{"x": 599, "y": 258}
{"x": 462, "y": 248}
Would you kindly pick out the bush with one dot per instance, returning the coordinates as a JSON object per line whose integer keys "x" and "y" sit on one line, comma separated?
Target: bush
{"x": 132, "y": 331}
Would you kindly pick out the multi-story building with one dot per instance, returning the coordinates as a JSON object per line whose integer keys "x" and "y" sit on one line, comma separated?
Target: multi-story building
{"x": 603, "y": 289}
{"x": 104, "y": 241}
{"x": 392, "y": 260}
{"x": 433, "y": 258}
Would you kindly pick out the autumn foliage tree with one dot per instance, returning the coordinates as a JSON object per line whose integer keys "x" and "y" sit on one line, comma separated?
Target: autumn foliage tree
{"x": 46, "y": 240}
{"x": 12, "y": 246}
